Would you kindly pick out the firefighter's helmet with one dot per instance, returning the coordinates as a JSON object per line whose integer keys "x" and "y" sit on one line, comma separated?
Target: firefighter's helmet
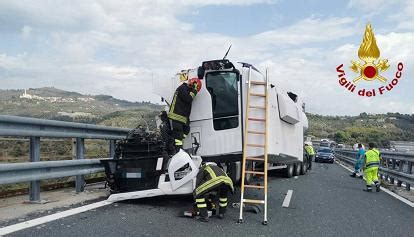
{"x": 183, "y": 75}
{"x": 195, "y": 81}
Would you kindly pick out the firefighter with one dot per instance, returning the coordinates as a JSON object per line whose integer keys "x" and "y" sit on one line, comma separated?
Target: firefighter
{"x": 212, "y": 178}
{"x": 372, "y": 162}
{"x": 310, "y": 152}
{"x": 180, "y": 109}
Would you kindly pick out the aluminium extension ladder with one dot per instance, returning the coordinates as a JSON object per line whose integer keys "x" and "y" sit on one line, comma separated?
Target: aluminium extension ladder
{"x": 255, "y": 129}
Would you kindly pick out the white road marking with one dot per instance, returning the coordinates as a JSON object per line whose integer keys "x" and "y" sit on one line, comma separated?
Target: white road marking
{"x": 286, "y": 202}
{"x": 49, "y": 218}
{"x": 406, "y": 201}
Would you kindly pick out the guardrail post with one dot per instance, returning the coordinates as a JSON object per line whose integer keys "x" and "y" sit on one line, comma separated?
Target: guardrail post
{"x": 387, "y": 164}
{"x": 111, "y": 148}
{"x": 80, "y": 149}
{"x": 393, "y": 168}
{"x": 409, "y": 171}
{"x": 34, "y": 149}
{"x": 400, "y": 169}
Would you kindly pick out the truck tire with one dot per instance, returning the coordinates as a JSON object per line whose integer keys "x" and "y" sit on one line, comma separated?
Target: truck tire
{"x": 234, "y": 171}
{"x": 297, "y": 169}
{"x": 248, "y": 178}
{"x": 289, "y": 171}
{"x": 303, "y": 168}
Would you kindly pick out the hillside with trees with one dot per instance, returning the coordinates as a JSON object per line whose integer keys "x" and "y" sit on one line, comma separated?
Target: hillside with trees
{"x": 378, "y": 128}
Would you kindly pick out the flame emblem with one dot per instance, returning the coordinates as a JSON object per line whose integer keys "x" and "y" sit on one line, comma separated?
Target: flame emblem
{"x": 369, "y": 53}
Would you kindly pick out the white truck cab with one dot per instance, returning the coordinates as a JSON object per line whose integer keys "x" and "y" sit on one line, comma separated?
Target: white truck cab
{"x": 218, "y": 114}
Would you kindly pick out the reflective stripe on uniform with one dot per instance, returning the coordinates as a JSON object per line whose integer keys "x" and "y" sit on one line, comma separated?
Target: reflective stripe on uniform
{"x": 223, "y": 199}
{"x": 372, "y": 164}
{"x": 211, "y": 183}
{"x": 198, "y": 200}
{"x": 210, "y": 171}
{"x": 204, "y": 205}
{"x": 177, "y": 117}
{"x": 178, "y": 142}
{"x": 173, "y": 103}
{"x": 173, "y": 115}
{"x": 223, "y": 204}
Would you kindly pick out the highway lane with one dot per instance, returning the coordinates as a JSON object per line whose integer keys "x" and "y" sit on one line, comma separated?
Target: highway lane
{"x": 325, "y": 202}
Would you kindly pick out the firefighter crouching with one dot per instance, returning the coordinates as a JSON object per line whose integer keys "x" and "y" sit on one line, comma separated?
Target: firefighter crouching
{"x": 372, "y": 162}
{"x": 212, "y": 178}
{"x": 180, "y": 109}
{"x": 310, "y": 152}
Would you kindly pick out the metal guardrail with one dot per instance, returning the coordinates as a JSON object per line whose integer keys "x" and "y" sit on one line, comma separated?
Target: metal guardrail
{"x": 395, "y": 166}
{"x": 32, "y": 127}
{"x": 37, "y": 170}
{"x": 29, "y": 171}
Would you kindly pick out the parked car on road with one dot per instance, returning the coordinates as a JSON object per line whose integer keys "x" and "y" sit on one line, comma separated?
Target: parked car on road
{"x": 325, "y": 154}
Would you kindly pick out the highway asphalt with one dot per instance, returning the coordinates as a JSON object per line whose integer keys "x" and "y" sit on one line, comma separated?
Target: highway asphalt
{"x": 325, "y": 202}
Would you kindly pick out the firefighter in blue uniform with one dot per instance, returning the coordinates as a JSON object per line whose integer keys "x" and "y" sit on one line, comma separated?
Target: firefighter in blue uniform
{"x": 212, "y": 178}
{"x": 180, "y": 109}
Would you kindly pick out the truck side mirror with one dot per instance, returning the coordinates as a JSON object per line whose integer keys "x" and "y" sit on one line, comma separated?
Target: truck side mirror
{"x": 200, "y": 72}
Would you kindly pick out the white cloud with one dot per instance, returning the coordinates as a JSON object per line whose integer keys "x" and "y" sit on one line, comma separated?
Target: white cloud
{"x": 372, "y": 7}
{"x": 309, "y": 30}
{"x": 117, "y": 47}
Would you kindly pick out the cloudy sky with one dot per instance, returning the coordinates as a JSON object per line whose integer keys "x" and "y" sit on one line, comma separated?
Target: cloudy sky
{"x": 119, "y": 47}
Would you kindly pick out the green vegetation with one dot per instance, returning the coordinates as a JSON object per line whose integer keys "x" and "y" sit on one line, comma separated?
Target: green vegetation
{"x": 131, "y": 118}
{"x": 378, "y": 128}
{"x": 52, "y": 103}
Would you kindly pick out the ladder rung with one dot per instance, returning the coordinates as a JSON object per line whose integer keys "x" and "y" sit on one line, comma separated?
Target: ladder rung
{"x": 257, "y": 83}
{"x": 256, "y": 132}
{"x": 254, "y": 158}
{"x": 258, "y": 94}
{"x": 254, "y": 186}
{"x": 257, "y": 107}
{"x": 255, "y": 145}
{"x": 257, "y": 119}
{"x": 254, "y": 201}
{"x": 254, "y": 172}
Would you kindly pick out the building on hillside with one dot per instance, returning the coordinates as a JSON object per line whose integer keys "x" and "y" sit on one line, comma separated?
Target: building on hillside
{"x": 30, "y": 97}
{"x": 25, "y": 95}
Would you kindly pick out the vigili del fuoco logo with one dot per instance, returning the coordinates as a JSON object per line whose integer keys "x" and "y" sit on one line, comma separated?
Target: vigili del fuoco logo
{"x": 370, "y": 69}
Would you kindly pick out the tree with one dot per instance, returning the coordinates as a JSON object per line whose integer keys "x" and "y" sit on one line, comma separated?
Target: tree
{"x": 341, "y": 137}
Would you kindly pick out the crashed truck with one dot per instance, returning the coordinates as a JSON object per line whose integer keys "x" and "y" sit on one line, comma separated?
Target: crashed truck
{"x": 145, "y": 164}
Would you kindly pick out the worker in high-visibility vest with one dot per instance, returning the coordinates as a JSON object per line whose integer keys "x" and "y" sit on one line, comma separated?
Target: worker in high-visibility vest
{"x": 310, "y": 152}
{"x": 372, "y": 163}
{"x": 180, "y": 109}
{"x": 212, "y": 178}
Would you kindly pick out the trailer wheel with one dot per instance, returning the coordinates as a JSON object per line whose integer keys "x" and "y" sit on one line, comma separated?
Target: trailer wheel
{"x": 248, "y": 178}
{"x": 297, "y": 169}
{"x": 232, "y": 170}
{"x": 303, "y": 168}
{"x": 289, "y": 171}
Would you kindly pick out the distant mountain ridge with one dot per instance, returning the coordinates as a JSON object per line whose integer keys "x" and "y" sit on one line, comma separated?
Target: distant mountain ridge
{"x": 54, "y": 103}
